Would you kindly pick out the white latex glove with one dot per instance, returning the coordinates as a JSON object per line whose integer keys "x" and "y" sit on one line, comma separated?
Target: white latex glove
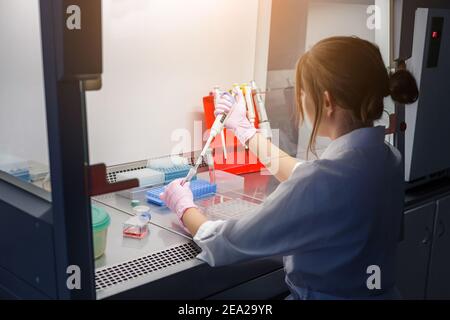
{"x": 238, "y": 121}
{"x": 178, "y": 198}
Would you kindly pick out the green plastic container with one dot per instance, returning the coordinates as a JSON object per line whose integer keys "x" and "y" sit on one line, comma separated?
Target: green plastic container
{"x": 100, "y": 224}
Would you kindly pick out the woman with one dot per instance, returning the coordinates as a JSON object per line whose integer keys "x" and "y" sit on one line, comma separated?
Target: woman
{"x": 335, "y": 219}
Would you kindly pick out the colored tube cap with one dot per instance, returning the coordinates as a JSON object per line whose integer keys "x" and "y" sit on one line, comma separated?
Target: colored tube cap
{"x": 100, "y": 219}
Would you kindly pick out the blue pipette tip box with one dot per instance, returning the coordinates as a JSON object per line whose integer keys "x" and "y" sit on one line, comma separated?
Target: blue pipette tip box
{"x": 22, "y": 174}
{"x": 200, "y": 189}
{"x": 175, "y": 172}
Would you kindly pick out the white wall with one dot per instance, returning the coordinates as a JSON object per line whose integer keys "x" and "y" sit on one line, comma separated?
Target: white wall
{"x": 263, "y": 42}
{"x": 23, "y": 129}
{"x": 327, "y": 19}
{"x": 384, "y": 41}
{"x": 160, "y": 58}
{"x": 383, "y": 32}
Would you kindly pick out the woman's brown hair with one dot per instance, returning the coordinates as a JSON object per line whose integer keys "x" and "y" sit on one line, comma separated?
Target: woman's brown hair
{"x": 353, "y": 72}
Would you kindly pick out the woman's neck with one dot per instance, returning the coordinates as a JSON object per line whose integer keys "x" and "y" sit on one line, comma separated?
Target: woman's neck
{"x": 341, "y": 130}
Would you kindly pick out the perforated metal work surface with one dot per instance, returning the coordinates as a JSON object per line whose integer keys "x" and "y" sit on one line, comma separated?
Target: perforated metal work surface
{"x": 113, "y": 275}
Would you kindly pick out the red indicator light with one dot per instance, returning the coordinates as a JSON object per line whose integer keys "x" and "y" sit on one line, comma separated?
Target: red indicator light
{"x": 435, "y": 35}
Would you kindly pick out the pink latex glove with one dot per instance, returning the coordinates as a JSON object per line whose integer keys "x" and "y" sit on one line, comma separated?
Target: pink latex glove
{"x": 238, "y": 121}
{"x": 178, "y": 198}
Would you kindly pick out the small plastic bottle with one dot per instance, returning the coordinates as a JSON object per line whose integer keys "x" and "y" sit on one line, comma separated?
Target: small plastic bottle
{"x": 137, "y": 226}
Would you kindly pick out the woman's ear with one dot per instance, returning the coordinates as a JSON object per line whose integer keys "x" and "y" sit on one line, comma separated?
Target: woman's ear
{"x": 329, "y": 104}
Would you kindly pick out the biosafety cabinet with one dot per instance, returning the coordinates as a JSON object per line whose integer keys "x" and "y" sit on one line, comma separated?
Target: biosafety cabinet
{"x": 58, "y": 207}
{"x": 92, "y": 90}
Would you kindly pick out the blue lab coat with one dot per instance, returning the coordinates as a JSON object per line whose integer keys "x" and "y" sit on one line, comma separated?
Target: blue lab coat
{"x": 331, "y": 220}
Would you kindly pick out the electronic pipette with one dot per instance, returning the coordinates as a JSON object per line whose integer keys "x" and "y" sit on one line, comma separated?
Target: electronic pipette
{"x": 248, "y": 95}
{"x": 217, "y": 95}
{"x": 264, "y": 123}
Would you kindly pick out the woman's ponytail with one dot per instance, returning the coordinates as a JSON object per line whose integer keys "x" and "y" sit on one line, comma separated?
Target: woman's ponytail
{"x": 403, "y": 87}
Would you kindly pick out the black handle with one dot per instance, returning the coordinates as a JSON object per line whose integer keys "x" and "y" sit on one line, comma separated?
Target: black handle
{"x": 427, "y": 237}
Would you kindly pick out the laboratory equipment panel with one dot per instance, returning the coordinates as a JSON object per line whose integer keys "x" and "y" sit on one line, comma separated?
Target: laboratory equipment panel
{"x": 427, "y": 129}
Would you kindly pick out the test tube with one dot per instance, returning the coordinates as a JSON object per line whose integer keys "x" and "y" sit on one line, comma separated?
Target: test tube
{"x": 238, "y": 87}
{"x": 210, "y": 161}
